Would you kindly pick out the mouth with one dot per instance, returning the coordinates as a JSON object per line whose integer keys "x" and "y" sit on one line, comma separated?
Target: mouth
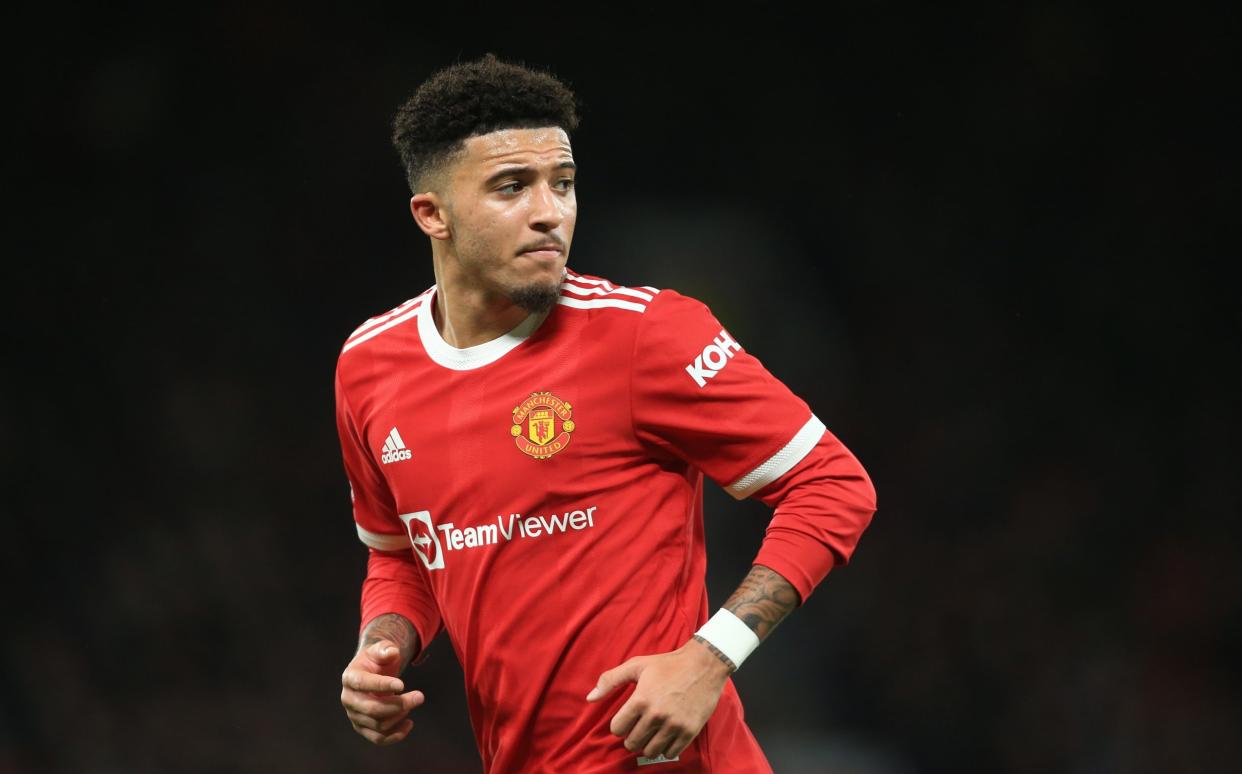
{"x": 544, "y": 251}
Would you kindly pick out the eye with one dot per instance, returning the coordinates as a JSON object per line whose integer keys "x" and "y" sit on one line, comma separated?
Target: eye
{"x": 512, "y": 187}
{"x": 565, "y": 183}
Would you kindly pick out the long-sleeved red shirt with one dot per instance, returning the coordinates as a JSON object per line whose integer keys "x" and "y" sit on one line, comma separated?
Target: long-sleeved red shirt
{"x": 539, "y": 497}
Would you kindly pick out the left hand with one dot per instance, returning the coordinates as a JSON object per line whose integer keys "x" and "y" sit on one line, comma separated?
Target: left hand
{"x": 676, "y": 694}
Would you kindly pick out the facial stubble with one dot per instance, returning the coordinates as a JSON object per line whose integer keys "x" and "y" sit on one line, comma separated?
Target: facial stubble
{"x": 537, "y": 297}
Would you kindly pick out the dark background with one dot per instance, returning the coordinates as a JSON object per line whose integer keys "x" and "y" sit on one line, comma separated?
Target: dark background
{"x": 987, "y": 246}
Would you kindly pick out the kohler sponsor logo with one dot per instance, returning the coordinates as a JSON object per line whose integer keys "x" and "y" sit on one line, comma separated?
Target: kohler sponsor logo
{"x": 713, "y": 359}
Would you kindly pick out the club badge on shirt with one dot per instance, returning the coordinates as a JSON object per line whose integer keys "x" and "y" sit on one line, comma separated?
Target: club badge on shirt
{"x": 542, "y": 425}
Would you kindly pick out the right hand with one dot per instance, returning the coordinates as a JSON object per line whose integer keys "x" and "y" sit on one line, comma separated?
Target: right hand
{"x": 371, "y": 694}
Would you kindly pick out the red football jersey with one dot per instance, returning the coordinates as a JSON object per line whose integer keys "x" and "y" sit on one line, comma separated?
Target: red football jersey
{"x": 539, "y": 497}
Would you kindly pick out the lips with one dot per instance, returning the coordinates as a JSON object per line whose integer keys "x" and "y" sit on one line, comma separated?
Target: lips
{"x": 547, "y": 250}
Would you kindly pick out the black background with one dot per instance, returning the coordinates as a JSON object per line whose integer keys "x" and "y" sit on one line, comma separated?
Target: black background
{"x": 987, "y": 246}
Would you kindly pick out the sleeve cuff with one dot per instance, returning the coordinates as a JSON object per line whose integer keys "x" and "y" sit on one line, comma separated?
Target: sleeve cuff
{"x": 774, "y": 555}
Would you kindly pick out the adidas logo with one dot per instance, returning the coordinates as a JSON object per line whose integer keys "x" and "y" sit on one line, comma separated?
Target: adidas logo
{"x": 394, "y": 448}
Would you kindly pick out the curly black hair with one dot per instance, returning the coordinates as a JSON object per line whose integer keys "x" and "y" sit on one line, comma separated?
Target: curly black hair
{"x": 473, "y": 98}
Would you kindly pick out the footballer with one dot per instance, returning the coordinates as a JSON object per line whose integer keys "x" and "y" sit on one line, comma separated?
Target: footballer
{"x": 526, "y": 445}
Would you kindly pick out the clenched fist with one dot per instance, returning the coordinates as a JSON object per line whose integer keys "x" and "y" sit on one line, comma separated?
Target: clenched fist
{"x": 373, "y": 697}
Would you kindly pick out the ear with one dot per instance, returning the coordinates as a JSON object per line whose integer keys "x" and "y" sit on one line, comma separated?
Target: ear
{"x": 429, "y": 213}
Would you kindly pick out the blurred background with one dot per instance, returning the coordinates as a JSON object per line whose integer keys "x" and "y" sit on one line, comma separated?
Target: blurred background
{"x": 987, "y": 246}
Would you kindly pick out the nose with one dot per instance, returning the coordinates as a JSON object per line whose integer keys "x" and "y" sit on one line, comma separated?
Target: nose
{"x": 547, "y": 210}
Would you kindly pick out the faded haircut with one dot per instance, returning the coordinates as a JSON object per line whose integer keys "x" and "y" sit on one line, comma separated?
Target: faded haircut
{"x": 473, "y": 98}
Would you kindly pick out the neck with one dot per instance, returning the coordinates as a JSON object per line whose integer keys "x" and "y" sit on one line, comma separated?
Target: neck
{"x": 467, "y": 315}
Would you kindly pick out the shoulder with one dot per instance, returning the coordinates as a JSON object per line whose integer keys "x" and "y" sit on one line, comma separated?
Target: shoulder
{"x": 367, "y": 352}
{"x": 382, "y": 323}
{"x": 588, "y": 292}
{"x": 661, "y": 312}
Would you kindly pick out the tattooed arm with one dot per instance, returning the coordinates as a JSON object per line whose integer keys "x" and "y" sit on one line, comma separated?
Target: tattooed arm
{"x": 822, "y": 506}
{"x": 763, "y": 600}
{"x": 397, "y": 630}
{"x": 678, "y": 691}
{"x": 371, "y": 691}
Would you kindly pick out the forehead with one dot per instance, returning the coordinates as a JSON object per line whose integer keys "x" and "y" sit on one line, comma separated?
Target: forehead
{"x": 548, "y": 144}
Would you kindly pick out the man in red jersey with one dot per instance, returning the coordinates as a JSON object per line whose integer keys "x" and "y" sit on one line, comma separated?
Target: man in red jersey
{"x": 526, "y": 447}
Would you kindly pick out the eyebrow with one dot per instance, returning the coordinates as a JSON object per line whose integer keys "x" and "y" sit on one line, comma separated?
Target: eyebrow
{"x": 525, "y": 170}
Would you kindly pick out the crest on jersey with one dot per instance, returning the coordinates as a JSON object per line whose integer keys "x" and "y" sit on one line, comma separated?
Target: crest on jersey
{"x": 542, "y": 425}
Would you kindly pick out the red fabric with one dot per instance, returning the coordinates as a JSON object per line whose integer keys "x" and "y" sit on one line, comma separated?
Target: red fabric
{"x": 395, "y": 584}
{"x": 547, "y": 572}
{"x": 822, "y": 507}
{"x": 740, "y": 417}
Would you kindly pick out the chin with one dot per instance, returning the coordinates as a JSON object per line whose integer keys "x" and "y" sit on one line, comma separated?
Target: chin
{"x": 537, "y": 297}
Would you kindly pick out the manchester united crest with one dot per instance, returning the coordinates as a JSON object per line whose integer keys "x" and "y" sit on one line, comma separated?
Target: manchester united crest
{"x": 542, "y": 425}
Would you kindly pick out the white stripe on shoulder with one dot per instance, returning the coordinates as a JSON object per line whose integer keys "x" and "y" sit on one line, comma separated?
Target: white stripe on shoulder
{"x": 780, "y": 463}
{"x": 598, "y": 291}
{"x": 374, "y": 321}
{"x": 382, "y": 542}
{"x": 601, "y": 303}
{"x": 409, "y": 312}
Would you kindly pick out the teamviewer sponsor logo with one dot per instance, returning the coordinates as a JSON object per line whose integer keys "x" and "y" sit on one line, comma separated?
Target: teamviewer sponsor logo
{"x": 431, "y": 547}
{"x": 394, "y": 448}
{"x": 715, "y": 356}
{"x": 423, "y": 539}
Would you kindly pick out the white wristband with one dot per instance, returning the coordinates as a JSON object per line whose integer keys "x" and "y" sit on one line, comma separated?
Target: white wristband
{"x": 730, "y": 636}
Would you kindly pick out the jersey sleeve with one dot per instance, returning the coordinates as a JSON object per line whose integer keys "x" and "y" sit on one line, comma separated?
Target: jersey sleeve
{"x": 394, "y": 583}
{"x": 700, "y": 396}
{"x": 822, "y": 506}
{"x": 375, "y": 512}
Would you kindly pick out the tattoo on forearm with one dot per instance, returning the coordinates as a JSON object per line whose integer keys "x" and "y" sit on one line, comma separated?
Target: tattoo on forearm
{"x": 763, "y": 600}
{"x": 394, "y": 628}
{"x": 718, "y": 653}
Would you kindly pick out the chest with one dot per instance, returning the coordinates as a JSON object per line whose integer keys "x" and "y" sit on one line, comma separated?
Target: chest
{"x": 542, "y": 425}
